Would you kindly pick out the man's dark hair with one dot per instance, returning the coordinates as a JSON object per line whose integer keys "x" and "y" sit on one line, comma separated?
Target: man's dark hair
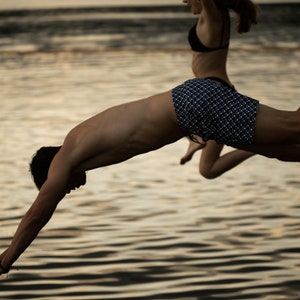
{"x": 40, "y": 164}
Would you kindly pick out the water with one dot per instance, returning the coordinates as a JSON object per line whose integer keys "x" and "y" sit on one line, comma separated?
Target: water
{"x": 33, "y": 4}
{"x": 148, "y": 228}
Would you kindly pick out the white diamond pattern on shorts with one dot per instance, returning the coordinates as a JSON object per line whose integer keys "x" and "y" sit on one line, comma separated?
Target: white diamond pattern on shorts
{"x": 214, "y": 111}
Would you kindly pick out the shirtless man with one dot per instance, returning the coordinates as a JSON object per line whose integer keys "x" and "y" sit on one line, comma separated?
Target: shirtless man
{"x": 124, "y": 131}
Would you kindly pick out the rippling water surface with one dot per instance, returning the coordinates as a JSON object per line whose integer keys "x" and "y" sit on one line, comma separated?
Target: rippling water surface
{"x": 148, "y": 228}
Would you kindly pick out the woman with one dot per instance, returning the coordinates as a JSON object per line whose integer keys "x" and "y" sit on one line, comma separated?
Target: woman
{"x": 209, "y": 39}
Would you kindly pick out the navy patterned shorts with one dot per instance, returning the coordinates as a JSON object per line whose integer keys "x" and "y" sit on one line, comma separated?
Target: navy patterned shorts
{"x": 215, "y": 112}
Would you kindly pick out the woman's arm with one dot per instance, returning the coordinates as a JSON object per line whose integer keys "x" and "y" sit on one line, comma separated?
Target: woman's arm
{"x": 210, "y": 9}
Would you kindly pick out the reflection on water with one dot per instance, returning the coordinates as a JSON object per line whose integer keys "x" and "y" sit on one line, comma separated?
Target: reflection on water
{"x": 148, "y": 228}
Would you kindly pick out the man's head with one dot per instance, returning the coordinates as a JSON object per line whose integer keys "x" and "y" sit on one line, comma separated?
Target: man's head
{"x": 40, "y": 164}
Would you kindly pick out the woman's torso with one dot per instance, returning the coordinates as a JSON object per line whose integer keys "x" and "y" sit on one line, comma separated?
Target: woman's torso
{"x": 209, "y": 42}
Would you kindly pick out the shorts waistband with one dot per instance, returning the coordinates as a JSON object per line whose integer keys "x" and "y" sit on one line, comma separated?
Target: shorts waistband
{"x": 220, "y": 81}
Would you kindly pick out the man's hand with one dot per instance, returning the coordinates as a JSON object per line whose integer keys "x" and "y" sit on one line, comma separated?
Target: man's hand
{"x": 3, "y": 270}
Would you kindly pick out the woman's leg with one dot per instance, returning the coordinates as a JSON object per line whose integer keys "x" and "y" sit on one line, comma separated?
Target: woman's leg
{"x": 213, "y": 164}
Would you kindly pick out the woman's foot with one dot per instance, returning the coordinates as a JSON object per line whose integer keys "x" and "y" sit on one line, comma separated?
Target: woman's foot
{"x": 192, "y": 149}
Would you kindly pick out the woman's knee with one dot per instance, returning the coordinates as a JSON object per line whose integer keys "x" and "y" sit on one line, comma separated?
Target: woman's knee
{"x": 208, "y": 173}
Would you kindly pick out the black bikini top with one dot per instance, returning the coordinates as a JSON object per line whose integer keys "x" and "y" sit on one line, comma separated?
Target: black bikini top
{"x": 198, "y": 46}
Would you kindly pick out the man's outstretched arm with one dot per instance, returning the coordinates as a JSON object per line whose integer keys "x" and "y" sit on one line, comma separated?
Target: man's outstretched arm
{"x": 35, "y": 218}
